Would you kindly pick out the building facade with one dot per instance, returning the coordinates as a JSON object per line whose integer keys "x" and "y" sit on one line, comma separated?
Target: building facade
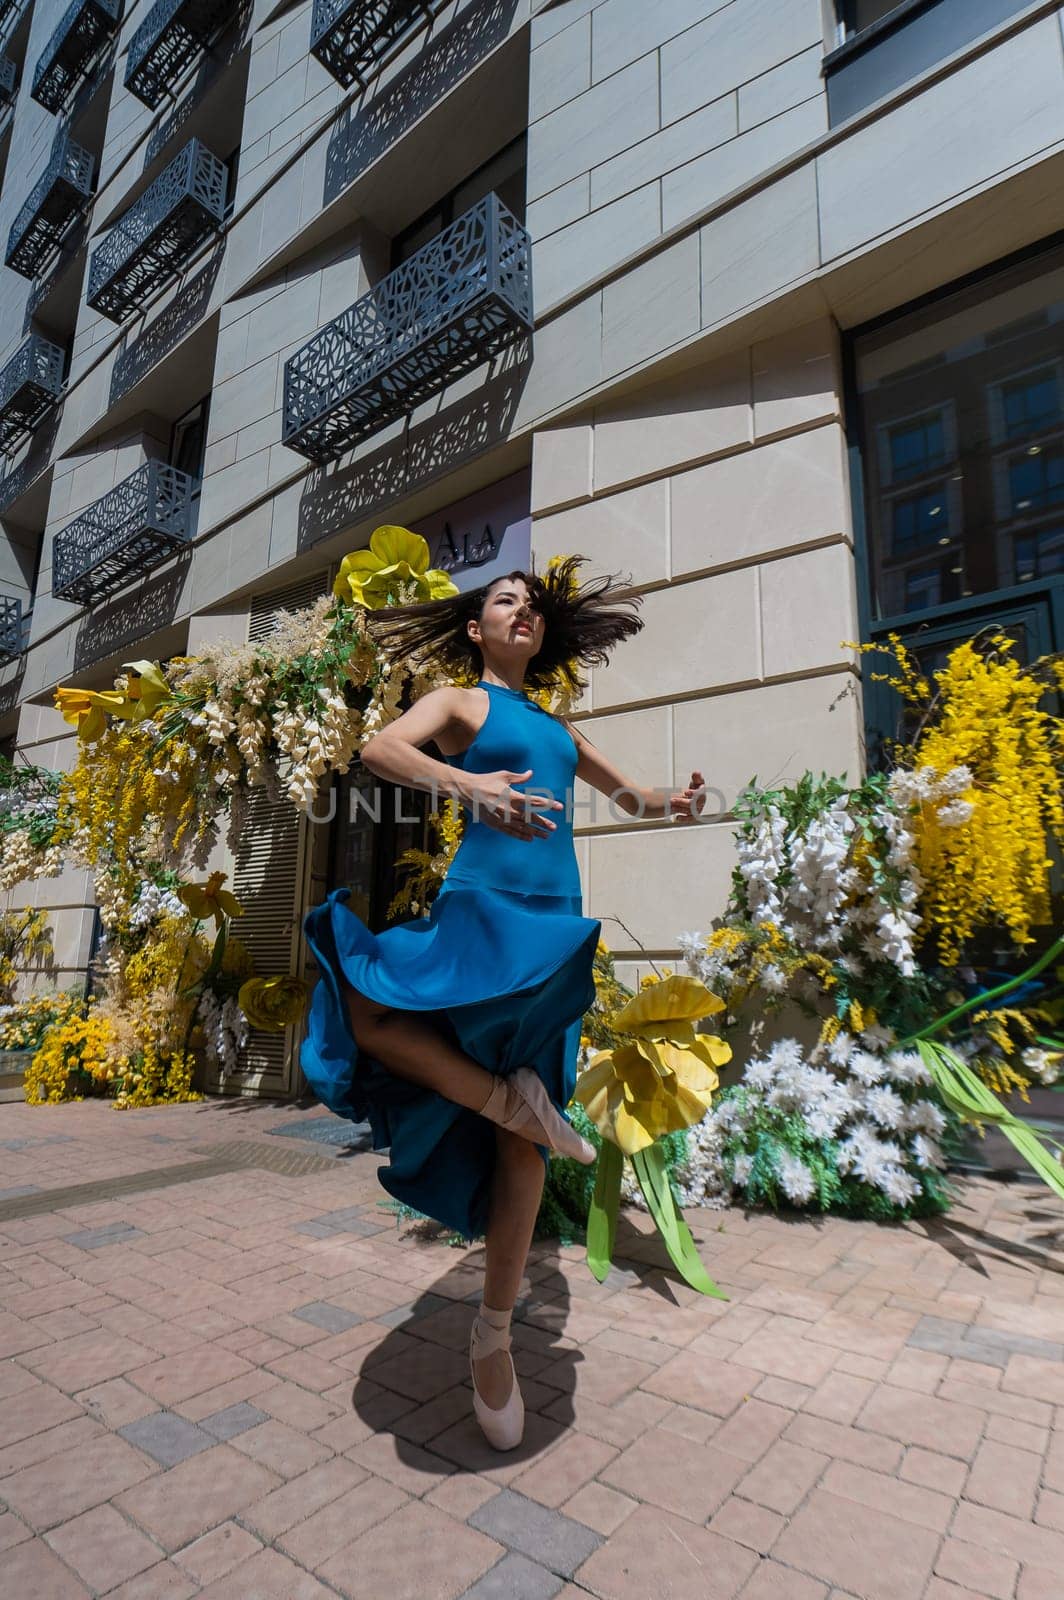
{"x": 758, "y": 302}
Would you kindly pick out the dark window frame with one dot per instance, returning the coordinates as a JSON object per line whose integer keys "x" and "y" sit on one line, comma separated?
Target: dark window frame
{"x": 448, "y": 208}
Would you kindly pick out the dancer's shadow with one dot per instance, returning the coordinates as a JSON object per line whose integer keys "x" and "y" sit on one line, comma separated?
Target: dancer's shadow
{"x": 415, "y": 1383}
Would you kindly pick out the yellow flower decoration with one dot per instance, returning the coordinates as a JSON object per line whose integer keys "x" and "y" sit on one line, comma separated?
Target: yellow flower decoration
{"x": 661, "y": 1078}
{"x": 148, "y": 690}
{"x": 210, "y": 899}
{"x": 395, "y": 556}
{"x": 87, "y": 711}
{"x": 273, "y": 1003}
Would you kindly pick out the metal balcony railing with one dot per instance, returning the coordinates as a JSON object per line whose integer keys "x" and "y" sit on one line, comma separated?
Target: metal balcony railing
{"x": 143, "y": 520}
{"x": 8, "y": 80}
{"x": 10, "y": 627}
{"x": 30, "y": 385}
{"x": 462, "y": 298}
{"x": 72, "y": 51}
{"x": 351, "y": 37}
{"x": 10, "y": 15}
{"x": 172, "y": 34}
{"x": 56, "y": 201}
{"x": 160, "y": 232}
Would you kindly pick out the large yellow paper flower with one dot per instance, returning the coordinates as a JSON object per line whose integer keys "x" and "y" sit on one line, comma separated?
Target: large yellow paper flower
{"x": 148, "y": 690}
{"x": 395, "y": 556}
{"x": 662, "y": 1078}
{"x": 210, "y": 899}
{"x": 87, "y": 711}
{"x": 272, "y": 1003}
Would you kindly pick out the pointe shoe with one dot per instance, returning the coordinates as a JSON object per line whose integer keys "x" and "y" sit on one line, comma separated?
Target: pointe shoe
{"x": 503, "y": 1427}
{"x": 520, "y": 1104}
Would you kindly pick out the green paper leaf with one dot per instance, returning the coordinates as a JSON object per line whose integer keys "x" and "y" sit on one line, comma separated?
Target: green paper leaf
{"x": 969, "y": 1097}
{"x": 602, "y": 1214}
{"x": 652, "y": 1173}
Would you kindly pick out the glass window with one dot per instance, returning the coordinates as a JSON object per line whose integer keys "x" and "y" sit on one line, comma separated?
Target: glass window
{"x": 917, "y": 446}
{"x": 188, "y": 440}
{"x": 961, "y": 432}
{"x": 860, "y": 14}
{"x": 369, "y": 833}
{"x": 504, "y": 173}
{"x": 1030, "y": 403}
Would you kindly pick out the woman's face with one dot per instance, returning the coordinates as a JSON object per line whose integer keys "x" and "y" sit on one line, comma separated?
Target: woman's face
{"x": 509, "y": 624}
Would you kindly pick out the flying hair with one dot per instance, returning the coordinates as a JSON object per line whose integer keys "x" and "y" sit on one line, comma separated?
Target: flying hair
{"x": 583, "y": 622}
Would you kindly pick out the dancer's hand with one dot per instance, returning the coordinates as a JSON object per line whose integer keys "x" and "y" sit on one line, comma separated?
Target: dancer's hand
{"x": 508, "y": 810}
{"x": 688, "y": 805}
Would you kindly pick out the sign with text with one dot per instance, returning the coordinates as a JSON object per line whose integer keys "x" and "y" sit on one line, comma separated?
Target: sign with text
{"x": 484, "y": 536}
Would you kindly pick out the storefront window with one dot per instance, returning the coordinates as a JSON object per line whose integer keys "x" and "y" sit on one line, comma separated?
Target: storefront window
{"x": 374, "y": 822}
{"x": 961, "y": 421}
{"x": 959, "y": 454}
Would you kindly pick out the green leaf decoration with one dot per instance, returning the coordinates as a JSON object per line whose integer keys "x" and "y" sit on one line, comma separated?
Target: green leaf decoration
{"x": 602, "y": 1215}
{"x": 651, "y": 1171}
{"x": 969, "y": 1097}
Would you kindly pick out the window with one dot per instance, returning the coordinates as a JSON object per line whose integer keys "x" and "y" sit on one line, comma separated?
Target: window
{"x": 961, "y": 426}
{"x": 188, "y": 440}
{"x": 860, "y": 14}
{"x": 369, "y": 834}
{"x": 504, "y": 173}
{"x": 884, "y": 44}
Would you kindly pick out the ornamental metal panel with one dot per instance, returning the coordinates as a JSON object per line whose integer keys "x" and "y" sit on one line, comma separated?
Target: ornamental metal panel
{"x": 160, "y": 232}
{"x": 56, "y": 201}
{"x": 351, "y": 37}
{"x": 72, "y": 51}
{"x": 10, "y": 627}
{"x": 10, "y": 15}
{"x": 132, "y": 529}
{"x": 8, "y": 80}
{"x": 172, "y": 34}
{"x": 30, "y": 385}
{"x": 462, "y": 298}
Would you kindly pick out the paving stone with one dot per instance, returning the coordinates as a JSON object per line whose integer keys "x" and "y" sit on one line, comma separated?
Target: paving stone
{"x": 62, "y": 1487}
{"x": 652, "y": 1548}
{"x": 98, "y": 1238}
{"x": 102, "y": 1548}
{"x": 32, "y": 1569}
{"x": 977, "y": 1569}
{"x": 218, "y": 1552}
{"x": 415, "y": 1311}
{"x": 1004, "y": 1477}
{"x": 536, "y": 1531}
{"x": 676, "y": 1474}
{"x": 334, "y": 1319}
{"x": 167, "y": 1438}
{"x": 515, "y": 1578}
{"x": 863, "y": 1551}
{"x": 198, "y": 1494}
{"x": 226, "y": 1424}
{"x": 420, "y": 1553}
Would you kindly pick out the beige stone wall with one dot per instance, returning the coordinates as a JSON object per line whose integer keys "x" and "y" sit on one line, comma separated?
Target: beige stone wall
{"x": 723, "y": 493}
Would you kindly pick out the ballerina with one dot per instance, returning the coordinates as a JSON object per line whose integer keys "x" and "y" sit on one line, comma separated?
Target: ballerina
{"x": 457, "y": 1034}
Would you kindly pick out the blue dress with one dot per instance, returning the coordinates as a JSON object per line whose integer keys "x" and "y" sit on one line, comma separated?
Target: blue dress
{"x": 502, "y": 966}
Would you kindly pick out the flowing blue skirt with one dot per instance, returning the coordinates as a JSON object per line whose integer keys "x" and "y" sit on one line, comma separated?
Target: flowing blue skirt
{"x": 506, "y": 977}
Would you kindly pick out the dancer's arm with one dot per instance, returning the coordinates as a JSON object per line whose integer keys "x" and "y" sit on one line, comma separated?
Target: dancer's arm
{"x": 394, "y": 754}
{"x": 598, "y": 771}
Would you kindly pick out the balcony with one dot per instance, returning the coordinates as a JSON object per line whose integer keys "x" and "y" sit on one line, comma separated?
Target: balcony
{"x": 351, "y": 37}
{"x": 173, "y": 33}
{"x": 131, "y": 530}
{"x": 8, "y": 81}
{"x": 160, "y": 232}
{"x": 30, "y": 385}
{"x": 58, "y": 198}
{"x": 72, "y": 51}
{"x": 458, "y": 301}
{"x": 10, "y": 627}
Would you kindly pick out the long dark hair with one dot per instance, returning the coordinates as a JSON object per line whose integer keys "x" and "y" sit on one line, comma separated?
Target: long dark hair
{"x": 582, "y": 624}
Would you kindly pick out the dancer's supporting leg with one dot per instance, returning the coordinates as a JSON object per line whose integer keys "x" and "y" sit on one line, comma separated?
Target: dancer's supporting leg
{"x": 516, "y": 1190}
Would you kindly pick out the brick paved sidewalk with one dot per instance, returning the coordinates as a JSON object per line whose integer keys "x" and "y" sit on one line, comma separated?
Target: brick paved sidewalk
{"x": 238, "y": 1377}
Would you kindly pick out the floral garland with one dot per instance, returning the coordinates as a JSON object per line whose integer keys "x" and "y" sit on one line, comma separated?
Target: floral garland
{"x": 853, "y": 912}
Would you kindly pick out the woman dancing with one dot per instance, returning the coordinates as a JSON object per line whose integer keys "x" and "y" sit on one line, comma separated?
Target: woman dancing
{"x": 457, "y": 1034}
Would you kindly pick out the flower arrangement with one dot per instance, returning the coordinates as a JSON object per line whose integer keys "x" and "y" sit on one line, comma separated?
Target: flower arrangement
{"x": 855, "y": 913}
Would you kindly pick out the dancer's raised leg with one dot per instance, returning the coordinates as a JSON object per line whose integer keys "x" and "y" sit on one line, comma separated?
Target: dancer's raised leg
{"x": 414, "y": 1049}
